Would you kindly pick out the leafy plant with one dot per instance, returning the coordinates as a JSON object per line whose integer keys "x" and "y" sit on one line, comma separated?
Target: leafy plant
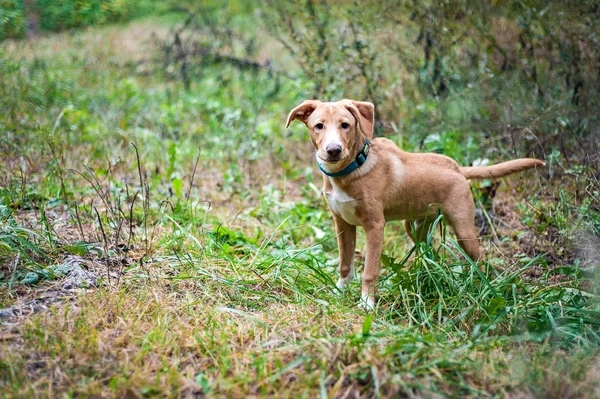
{"x": 12, "y": 19}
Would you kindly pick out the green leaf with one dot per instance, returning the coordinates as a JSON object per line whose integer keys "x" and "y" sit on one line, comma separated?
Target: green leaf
{"x": 366, "y": 327}
{"x": 496, "y": 304}
{"x": 30, "y": 278}
{"x": 172, "y": 156}
{"x": 177, "y": 185}
{"x": 202, "y": 380}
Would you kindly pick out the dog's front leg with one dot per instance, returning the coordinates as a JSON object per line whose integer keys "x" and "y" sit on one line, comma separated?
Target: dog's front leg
{"x": 346, "y": 239}
{"x": 370, "y": 277}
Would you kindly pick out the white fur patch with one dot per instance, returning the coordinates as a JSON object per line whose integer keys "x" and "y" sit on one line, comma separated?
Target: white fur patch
{"x": 397, "y": 169}
{"x": 342, "y": 204}
{"x": 367, "y": 302}
{"x": 332, "y": 137}
{"x": 343, "y": 282}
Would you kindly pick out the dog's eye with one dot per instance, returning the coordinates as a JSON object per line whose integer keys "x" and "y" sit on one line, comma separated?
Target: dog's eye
{"x": 345, "y": 125}
{"x": 319, "y": 126}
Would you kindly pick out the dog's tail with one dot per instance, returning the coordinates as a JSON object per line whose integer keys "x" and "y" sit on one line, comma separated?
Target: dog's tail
{"x": 501, "y": 169}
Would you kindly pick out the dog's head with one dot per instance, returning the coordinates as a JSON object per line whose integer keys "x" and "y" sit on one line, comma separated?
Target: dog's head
{"x": 337, "y": 129}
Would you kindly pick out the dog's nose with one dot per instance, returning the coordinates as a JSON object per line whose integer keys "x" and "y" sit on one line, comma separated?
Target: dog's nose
{"x": 334, "y": 150}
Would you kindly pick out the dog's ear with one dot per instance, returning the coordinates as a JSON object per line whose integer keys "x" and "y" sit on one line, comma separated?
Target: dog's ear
{"x": 302, "y": 111}
{"x": 364, "y": 113}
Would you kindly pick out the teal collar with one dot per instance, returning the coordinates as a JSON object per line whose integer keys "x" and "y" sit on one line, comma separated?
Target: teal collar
{"x": 361, "y": 158}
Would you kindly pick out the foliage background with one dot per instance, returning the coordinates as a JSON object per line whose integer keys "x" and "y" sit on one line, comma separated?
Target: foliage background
{"x": 62, "y": 15}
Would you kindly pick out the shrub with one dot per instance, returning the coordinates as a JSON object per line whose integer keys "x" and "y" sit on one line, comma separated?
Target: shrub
{"x": 67, "y": 14}
{"x": 59, "y": 15}
{"x": 12, "y": 19}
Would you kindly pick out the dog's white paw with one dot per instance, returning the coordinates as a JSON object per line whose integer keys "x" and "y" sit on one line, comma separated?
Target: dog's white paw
{"x": 344, "y": 281}
{"x": 367, "y": 303}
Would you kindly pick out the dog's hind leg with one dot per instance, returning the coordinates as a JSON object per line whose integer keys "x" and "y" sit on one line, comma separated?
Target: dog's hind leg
{"x": 462, "y": 221}
{"x": 467, "y": 238}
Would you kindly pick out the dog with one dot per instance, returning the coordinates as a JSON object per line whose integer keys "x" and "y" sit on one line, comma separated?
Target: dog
{"x": 368, "y": 181}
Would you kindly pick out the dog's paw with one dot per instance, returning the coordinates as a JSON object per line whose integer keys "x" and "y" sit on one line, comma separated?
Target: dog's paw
{"x": 344, "y": 281}
{"x": 367, "y": 303}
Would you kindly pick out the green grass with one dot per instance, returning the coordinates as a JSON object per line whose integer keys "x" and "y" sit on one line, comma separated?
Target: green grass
{"x": 209, "y": 213}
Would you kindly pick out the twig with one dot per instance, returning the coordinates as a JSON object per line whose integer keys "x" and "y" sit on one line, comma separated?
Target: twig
{"x": 79, "y": 223}
{"x": 187, "y": 195}
{"x": 105, "y": 245}
{"x": 131, "y": 218}
{"x": 145, "y": 198}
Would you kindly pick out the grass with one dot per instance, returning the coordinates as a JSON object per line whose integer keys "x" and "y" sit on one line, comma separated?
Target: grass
{"x": 218, "y": 256}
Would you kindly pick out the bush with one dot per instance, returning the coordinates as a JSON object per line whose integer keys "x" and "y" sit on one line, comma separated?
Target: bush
{"x": 12, "y": 19}
{"x": 60, "y": 15}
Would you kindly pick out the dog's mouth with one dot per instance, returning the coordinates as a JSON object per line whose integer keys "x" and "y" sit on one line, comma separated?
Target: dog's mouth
{"x": 331, "y": 160}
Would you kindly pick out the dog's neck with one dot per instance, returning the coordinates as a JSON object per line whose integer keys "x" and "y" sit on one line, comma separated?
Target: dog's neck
{"x": 361, "y": 153}
{"x": 365, "y": 168}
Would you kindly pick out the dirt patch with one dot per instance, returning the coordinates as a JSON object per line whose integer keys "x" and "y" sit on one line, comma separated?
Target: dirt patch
{"x": 525, "y": 241}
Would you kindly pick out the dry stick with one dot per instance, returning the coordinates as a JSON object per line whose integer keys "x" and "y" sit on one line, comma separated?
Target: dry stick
{"x": 119, "y": 225}
{"x": 79, "y": 223}
{"x": 118, "y": 233}
{"x": 49, "y": 230}
{"x": 119, "y": 214}
{"x": 56, "y": 158}
{"x": 236, "y": 61}
{"x": 105, "y": 245}
{"x": 121, "y": 267}
{"x": 235, "y": 217}
{"x": 261, "y": 277}
{"x": 23, "y": 183}
{"x": 144, "y": 194}
{"x": 97, "y": 189}
{"x": 145, "y": 207}
{"x": 127, "y": 200}
{"x": 105, "y": 197}
{"x": 187, "y": 195}
{"x": 131, "y": 218}
{"x": 91, "y": 216}
{"x": 146, "y": 212}
{"x": 209, "y": 204}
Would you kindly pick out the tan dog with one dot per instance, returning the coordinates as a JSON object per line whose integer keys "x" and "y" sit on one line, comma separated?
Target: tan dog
{"x": 369, "y": 184}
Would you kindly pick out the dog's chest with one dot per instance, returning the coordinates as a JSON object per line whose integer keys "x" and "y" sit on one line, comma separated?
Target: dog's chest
{"x": 342, "y": 204}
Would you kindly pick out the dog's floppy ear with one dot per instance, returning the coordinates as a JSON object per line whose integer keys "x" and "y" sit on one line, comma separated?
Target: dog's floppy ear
{"x": 302, "y": 111}
{"x": 364, "y": 113}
